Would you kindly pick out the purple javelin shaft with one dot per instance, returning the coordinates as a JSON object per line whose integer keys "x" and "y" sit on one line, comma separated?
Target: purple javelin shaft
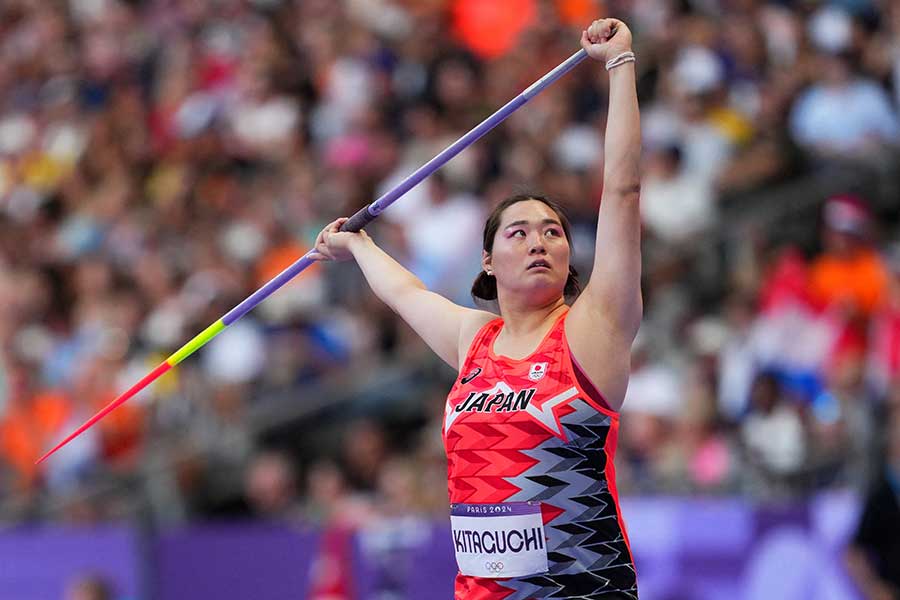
{"x": 375, "y": 208}
{"x": 370, "y": 212}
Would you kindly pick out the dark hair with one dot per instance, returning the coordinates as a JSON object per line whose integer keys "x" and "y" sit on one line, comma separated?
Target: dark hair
{"x": 485, "y": 286}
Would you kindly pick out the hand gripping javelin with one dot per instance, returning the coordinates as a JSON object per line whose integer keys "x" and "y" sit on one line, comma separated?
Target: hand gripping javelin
{"x": 359, "y": 220}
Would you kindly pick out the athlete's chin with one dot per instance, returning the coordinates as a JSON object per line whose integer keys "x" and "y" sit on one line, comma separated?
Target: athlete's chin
{"x": 545, "y": 279}
{"x": 542, "y": 289}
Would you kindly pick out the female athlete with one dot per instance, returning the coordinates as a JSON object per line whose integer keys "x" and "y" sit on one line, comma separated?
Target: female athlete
{"x": 530, "y": 424}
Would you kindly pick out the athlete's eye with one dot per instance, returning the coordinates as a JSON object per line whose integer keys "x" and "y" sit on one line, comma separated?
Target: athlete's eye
{"x": 553, "y": 232}
{"x": 517, "y": 232}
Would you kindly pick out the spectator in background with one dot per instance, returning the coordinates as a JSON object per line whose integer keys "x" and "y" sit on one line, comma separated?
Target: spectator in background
{"x": 340, "y": 513}
{"x": 676, "y": 203}
{"x": 33, "y": 417}
{"x": 684, "y": 117}
{"x": 884, "y": 348}
{"x": 270, "y": 487}
{"x": 873, "y": 558}
{"x": 445, "y": 263}
{"x": 391, "y": 539}
{"x": 736, "y": 361}
{"x": 761, "y": 89}
{"x": 711, "y": 458}
{"x": 849, "y": 274}
{"x": 329, "y": 500}
{"x": 709, "y": 128}
{"x": 841, "y": 419}
{"x": 843, "y": 113}
{"x": 365, "y": 450}
{"x": 773, "y": 437}
{"x": 650, "y": 411}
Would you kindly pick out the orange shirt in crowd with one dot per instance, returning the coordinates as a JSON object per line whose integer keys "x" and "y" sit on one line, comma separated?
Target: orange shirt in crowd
{"x": 27, "y": 431}
{"x": 859, "y": 280}
{"x": 279, "y": 258}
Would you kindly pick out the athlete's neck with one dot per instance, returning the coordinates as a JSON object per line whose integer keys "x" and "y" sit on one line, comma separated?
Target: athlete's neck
{"x": 523, "y": 321}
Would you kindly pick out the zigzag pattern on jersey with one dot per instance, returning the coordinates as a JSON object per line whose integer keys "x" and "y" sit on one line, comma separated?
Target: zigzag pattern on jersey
{"x": 524, "y": 455}
{"x": 589, "y": 557}
{"x": 482, "y": 456}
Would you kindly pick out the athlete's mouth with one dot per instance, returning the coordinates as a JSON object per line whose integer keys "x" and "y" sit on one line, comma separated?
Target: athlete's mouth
{"x": 539, "y": 263}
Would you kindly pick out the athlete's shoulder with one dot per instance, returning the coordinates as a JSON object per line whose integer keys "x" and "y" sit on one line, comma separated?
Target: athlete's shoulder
{"x": 473, "y": 321}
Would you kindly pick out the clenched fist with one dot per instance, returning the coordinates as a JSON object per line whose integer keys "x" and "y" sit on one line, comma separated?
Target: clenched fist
{"x": 605, "y": 39}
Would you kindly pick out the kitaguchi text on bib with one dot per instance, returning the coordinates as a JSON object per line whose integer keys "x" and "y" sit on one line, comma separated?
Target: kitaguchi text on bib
{"x": 499, "y": 540}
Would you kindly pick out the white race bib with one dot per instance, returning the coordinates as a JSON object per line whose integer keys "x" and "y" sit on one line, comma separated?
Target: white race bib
{"x": 499, "y": 540}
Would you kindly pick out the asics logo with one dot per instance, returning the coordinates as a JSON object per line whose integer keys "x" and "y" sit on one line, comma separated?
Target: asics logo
{"x": 472, "y": 375}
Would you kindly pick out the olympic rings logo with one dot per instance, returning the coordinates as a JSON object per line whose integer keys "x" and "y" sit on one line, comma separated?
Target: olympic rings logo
{"x": 493, "y": 567}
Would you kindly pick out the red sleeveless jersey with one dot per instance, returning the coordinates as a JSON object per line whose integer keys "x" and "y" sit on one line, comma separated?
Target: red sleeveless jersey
{"x": 536, "y": 429}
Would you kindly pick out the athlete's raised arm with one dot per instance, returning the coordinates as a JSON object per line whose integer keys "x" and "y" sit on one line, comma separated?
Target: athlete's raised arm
{"x": 446, "y": 328}
{"x": 605, "y": 318}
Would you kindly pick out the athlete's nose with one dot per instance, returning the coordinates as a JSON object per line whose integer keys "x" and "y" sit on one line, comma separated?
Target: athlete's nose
{"x": 537, "y": 247}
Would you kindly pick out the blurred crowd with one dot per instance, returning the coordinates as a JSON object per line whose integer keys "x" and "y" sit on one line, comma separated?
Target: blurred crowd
{"x": 161, "y": 159}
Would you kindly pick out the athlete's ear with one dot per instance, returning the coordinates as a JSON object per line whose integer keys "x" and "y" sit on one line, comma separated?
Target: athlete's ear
{"x": 486, "y": 262}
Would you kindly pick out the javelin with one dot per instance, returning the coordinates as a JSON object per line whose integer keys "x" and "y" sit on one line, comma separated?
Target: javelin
{"x": 363, "y": 217}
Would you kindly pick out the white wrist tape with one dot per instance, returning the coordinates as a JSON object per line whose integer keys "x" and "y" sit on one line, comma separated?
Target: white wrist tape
{"x": 619, "y": 60}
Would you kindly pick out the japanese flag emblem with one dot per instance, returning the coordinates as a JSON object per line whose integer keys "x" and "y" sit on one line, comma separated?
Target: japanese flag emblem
{"x": 537, "y": 371}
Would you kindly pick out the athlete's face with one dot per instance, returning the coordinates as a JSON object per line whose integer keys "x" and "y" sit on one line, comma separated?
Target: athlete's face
{"x": 531, "y": 252}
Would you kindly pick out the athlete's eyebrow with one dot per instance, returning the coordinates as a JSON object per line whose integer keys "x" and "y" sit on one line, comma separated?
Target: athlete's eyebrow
{"x": 525, "y": 222}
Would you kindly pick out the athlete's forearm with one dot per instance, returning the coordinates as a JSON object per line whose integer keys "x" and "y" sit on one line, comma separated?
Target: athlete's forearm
{"x": 388, "y": 279}
{"x": 622, "y": 147}
{"x": 614, "y": 286}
